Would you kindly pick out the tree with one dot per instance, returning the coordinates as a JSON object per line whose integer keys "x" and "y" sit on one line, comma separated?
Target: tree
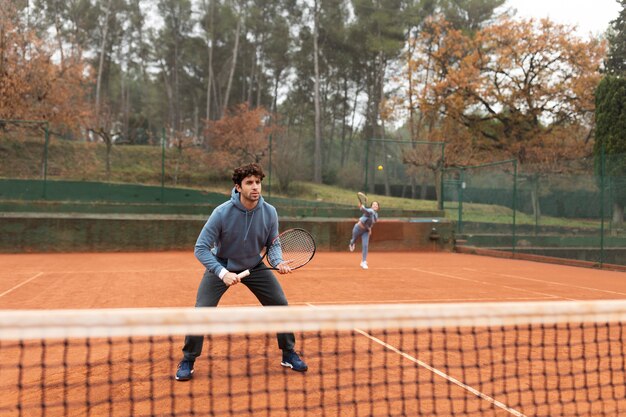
{"x": 73, "y": 23}
{"x": 233, "y": 62}
{"x": 277, "y": 54}
{"x": 345, "y": 73}
{"x": 469, "y": 16}
{"x": 381, "y": 25}
{"x": 514, "y": 83}
{"x": 241, "y": 136}
{"x": 209, "y": 28}
{"x": 32, "y": 86}
{"x": 615, "y": 62}
{"x": 172, "y": 38}
{"x": 326, "y": 92}
{"x": 610, "y": 143}
{"x": 317, "y": 154}
{"x": 106, "y": 132}
{"x": 610, "y": 128}
{"x": 104, "y": 38}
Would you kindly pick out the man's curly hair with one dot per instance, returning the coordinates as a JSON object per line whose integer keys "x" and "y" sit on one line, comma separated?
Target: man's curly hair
{"x": 245, "y": 171}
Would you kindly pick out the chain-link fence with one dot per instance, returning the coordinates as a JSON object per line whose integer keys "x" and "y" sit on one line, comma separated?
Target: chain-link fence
{"x": 40, "y": 165}
{"x": 571, "y": 209}
{"x": 32, "y": 152}
{"x": 405, "y": 169}
{"x": 482, "y": 197}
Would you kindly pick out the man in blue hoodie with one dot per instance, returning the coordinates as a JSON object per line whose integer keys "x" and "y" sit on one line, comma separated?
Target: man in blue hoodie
{"x": 230, "y": 242}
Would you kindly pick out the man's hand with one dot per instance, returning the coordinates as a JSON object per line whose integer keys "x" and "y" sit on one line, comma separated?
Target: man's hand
{"x": 231, "y": 279}
{"x": 284, "y": 268}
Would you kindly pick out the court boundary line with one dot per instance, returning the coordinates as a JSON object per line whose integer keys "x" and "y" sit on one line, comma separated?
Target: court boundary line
{"x": 415, "y": 301}
{"x": 127, "y": 271}
{"x": 548, "y": 282}
{"x": 443, "y": 375}
{"x": 429, "y": 300}
{"x": 37, "y": 275}
{"x": 551, "y": 296}
{"x": 439, "y": 373}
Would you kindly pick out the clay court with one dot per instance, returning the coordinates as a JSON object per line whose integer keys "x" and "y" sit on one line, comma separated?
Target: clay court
{"x": 170, "y": 279}
{"x": 220, "y": 387}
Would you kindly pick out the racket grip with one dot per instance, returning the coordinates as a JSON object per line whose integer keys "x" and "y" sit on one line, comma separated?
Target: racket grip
{"x": 243, "y": 274}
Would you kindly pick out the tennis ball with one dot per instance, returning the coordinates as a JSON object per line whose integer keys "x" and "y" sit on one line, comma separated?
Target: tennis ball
{"x": 380, "y": 167}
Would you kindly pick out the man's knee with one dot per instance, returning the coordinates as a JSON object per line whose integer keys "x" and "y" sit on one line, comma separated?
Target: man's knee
{"x": 281, "y": 301}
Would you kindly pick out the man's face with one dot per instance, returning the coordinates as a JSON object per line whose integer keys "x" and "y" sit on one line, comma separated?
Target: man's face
{"x": 250, "y": 189}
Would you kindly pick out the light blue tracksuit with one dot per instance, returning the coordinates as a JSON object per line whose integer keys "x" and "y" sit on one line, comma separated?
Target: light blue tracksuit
{"x": 362, "y": 229}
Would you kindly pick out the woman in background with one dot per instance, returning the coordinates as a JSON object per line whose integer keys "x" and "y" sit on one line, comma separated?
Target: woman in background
{"x": 363, "y": 229}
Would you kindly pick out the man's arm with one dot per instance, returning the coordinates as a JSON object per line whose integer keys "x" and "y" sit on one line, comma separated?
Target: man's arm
{"x": 205, "y": 242}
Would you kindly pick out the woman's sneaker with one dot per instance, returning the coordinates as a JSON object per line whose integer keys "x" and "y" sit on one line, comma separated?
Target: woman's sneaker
{"x": 351, "y": 247}
{"x": 364, "y": 265}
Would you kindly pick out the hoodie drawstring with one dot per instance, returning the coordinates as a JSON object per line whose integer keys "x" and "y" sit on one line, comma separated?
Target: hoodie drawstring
{"x": 245, "y": 237}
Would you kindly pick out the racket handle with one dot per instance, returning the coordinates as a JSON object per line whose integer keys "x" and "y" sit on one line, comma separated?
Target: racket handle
{"x": 243, "y": 274}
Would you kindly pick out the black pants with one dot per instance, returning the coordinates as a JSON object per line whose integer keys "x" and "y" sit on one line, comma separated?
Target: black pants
{"x": 263, "y": 285}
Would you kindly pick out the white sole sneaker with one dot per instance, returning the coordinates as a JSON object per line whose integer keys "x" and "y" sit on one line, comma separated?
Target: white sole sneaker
{"x": 364, "y": 265}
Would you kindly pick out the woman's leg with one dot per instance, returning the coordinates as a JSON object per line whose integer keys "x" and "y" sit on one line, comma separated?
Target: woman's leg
{"x": 365, "y": 239}
{"x": 357, "y": 231}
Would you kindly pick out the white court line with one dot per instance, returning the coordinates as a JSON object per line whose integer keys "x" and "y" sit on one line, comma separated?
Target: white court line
{"x": 547, "y": 282}
{"x": 20, "y": 284}
{"x": 453, "y": 380}
{"x": 128, "y": 271}
{"x": 433, "y": 300}
{"x": 424, "y": 300}
{"x": 543, "y": 294}
{"x": 426, "y": 271}
{"x": 436, "y": 371}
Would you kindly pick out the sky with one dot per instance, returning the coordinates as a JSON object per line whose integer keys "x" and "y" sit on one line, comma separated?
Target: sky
{"x": 591, "y": 16}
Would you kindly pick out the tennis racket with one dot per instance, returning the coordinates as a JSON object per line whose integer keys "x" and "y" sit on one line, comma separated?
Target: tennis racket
{"x": 362, "y": 198}
{"x": 296, "y": 247}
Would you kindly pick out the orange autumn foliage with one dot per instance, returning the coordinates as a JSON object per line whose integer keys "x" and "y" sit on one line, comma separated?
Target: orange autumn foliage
{"x": 516, "y": 87}
{"x": 32, "y": 85}
{"x": 241, "y": 136}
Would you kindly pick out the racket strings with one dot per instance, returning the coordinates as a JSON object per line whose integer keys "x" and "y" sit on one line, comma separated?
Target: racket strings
{"x": 294, "y": 246}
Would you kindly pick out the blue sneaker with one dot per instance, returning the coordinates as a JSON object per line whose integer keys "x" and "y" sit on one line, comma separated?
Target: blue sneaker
{"x": 184, "y": 371}
{"x": 293, "y": 361}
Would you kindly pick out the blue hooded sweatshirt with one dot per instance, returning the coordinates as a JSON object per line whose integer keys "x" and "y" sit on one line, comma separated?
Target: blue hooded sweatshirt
{"x": 234, "y": 236}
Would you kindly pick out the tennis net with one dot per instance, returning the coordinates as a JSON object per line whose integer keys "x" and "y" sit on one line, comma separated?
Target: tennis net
{"x": 475, "y": 359}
